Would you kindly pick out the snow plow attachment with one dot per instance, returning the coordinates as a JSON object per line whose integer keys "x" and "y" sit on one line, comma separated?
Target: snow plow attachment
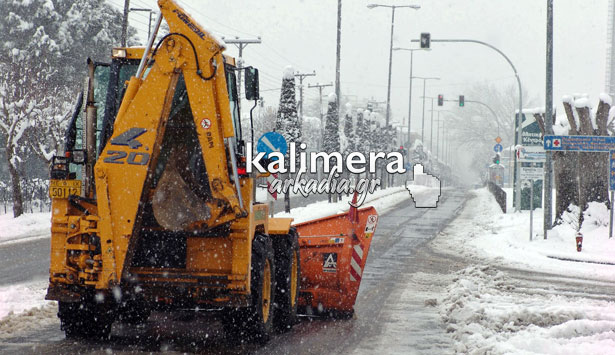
{"x": 333, "y": 254}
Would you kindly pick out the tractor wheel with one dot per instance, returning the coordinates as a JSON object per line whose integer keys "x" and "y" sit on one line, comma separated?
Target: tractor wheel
{"x": 259, "y": 316}
{"x": 134, "y": 312}
{"x": 85, "y": 319}
{"x": 288, "y": 271}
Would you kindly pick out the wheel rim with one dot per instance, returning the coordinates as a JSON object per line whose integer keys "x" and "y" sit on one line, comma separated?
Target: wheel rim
{"x": 293, "y": 279}
{"x": 266, "y": 291}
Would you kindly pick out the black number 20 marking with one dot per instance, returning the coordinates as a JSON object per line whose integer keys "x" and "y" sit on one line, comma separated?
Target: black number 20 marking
{"x": 119, "y": 157}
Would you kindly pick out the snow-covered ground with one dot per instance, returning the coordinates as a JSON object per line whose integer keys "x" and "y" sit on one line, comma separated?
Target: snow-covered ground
{"x": 28, "y": 225}
{"x": 491, "y": 311}
{"x": 484, "y": 231}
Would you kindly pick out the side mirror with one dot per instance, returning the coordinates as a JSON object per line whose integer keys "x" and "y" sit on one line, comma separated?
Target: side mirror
{"x": 251, "y": 83}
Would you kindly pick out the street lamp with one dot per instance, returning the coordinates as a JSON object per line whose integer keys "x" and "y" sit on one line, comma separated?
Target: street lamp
{"x": 411, "y": 50}
{"x": 392, "y": 7}
{"x": 443, "y": 134}
{"x": 423, "y": 120}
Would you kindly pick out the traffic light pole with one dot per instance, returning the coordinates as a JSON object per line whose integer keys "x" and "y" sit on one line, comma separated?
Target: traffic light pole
{"x": 519, "y": 116}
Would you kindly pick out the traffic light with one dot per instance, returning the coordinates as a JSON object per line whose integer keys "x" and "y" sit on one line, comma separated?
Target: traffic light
{"x": 440, "y": 100}
{"x": 461, "y": 101}
{"x": 370, "y": 106}
{"x": 425, "y": 40}
{"x": 496, "y": 158}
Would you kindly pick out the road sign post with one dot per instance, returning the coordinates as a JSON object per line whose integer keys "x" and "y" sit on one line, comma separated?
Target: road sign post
{"x": 532, "y": 173}
{"x": 531, "y": 208}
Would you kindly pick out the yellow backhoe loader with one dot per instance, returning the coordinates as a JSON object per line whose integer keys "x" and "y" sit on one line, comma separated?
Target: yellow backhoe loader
{"x": 152, "y": 207}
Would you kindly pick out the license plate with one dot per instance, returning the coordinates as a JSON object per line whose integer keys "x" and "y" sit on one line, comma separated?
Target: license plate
{"x": 64, "y": 188}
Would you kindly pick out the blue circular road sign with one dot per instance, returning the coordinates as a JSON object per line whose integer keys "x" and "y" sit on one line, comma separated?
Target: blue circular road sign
{"x": 497, "y": 148}
{"x": 271, "y": 142}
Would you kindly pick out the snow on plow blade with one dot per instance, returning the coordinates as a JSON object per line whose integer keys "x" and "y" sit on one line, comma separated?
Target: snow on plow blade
{"x": 333, "y": 254}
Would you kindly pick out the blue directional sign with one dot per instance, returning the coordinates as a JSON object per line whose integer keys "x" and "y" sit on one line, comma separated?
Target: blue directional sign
{"x": 498, "y": 148}
{"x": 580, "y": 143}
{"x": 271, "y": 142}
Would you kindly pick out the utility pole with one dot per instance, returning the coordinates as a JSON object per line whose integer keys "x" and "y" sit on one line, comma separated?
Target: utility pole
{"x": 392, "y": 7}
{"x": 549, "y": 120}
{"x": 149, "y": 24}
{"x": 322, "y": 124}
{"x": 241, "y": 43}
{"x": 125, "y": 22}
{"x": 301, "y": 76}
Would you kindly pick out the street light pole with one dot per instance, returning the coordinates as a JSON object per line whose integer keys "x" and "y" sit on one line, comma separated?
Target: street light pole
{"x": 431, "y": 129}
{"x": 392, "y": 7}
{"x": 409, "y": 91}
{"x": 423, "y": 118}
{"x": 390, "y": 67}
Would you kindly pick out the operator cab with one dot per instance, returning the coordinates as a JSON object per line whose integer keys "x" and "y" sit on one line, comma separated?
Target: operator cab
{"x": 109, "y": 81}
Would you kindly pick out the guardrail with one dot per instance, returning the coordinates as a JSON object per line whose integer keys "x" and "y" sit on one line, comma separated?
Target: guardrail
{"x": 500, "y": 195}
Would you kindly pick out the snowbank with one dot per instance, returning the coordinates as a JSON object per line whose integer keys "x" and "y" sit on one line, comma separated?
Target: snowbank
{"x": 382, "y": 200}
{"x": 23, "y": 306}
{"x": 28, "y": 225}
{"x": 486, "y": 314}
{"x": 483, "y": 231}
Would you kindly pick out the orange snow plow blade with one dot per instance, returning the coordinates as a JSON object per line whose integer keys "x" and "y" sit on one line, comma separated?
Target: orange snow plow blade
{"x": 333, "y": 254}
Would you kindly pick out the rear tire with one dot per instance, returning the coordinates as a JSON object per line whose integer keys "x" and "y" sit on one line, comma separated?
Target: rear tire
{"x": 288, "y": 271}
{"x": 255, "y": 322}
{"x": 85, "y": 319}
{"x": 134, "y": 312}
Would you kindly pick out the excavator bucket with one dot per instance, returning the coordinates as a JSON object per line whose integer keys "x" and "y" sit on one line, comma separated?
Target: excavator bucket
{"x": 333, "y": 253}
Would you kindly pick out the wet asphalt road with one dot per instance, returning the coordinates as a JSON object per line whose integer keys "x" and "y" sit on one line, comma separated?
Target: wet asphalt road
{"x": 392, "y": 260}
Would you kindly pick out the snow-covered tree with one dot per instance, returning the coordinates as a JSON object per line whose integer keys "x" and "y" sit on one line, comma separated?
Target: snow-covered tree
{"x": 27, "y": 73}
{"x": 86, "y": 29}
{"x": 361, "y": 132}
{"x": 43, "y": 49}
{"x": 331, "y": 139}
{"x": 349, "y": 139}
{"x": 287, "y": 122}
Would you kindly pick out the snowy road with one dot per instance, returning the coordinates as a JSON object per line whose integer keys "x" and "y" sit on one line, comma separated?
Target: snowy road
{"x": 24, "y": 261}
{"x": 388, "y": 275}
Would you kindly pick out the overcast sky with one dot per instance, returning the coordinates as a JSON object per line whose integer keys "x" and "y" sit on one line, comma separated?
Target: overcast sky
{"x": 302, "y": 34}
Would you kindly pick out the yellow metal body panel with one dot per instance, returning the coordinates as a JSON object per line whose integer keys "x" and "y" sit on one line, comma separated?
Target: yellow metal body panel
{"x": 279, "y": 225}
